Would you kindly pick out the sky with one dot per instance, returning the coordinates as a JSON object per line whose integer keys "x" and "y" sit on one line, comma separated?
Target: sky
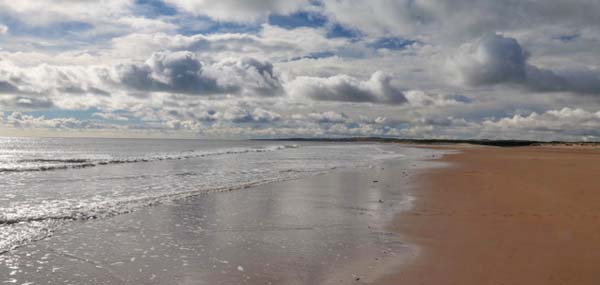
{"x": 451, "y": 69}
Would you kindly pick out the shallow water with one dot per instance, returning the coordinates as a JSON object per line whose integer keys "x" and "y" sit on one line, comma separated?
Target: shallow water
{"x": 326, "y": 229}
{"x": 46, "y": 183}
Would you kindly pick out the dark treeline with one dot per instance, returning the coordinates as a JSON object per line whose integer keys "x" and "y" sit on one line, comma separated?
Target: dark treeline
{"x": 501, "y": 143}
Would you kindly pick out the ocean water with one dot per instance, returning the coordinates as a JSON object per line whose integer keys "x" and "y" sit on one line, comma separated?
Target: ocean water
{"x": 46, "y": 183}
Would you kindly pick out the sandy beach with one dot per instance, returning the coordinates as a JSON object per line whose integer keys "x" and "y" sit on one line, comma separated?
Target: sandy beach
{"x": 482, "y": 215}
{"x": 527, "y": 215}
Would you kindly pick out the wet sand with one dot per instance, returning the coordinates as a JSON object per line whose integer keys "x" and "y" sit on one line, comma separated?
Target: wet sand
{"x": 327, "y": 229}
{"x": 526, "y": 215}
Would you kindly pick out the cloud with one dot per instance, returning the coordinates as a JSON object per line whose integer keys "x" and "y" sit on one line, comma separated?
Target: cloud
{"x": 496, "y": 59}
{"x": 20, "y": 120}
{"x": 492, "y": 59}
{"x": 268, "y": 68}
{"x": 25, "y": 102}
{"x": 569, "y": 123}
{"x": 448, "y": 20}
{"x": 271, "y": 42}
{"x": 244, "y": 115}
{"x": 248, "y": 75}
{"x": 168, "y": 72}
{"x": 328, "y": 117}
{"x": 238, "y": 10}
{"x": 419, "y": 98}
{"x": 343, "y": 88}
{"x": 179, "y": 72}
{"x": 379, "y": 17}
{"x": 44, "y": 12}
{"x": 110, "y": 116}
{"x": 7, "y": 87}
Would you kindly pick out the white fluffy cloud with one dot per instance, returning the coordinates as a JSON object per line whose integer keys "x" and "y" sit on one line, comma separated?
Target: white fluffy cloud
{"x": 327, "y": 117}
{"x": 343, "y": 88}
{"x": 19, "y": 120}
{"x": 244, "y": 115}
{"x": 566, "y": 123}
{"x": 175, "y": 72}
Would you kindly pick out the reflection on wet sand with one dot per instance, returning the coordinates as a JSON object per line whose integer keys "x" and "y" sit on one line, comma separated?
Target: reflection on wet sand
{"x": 325, "y": 229}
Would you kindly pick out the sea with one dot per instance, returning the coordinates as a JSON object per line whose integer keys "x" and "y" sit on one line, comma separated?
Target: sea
{"x": 48, "y": 183}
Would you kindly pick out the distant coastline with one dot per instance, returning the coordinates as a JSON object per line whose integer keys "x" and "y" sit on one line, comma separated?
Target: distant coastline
{"x": 499, "y": 143}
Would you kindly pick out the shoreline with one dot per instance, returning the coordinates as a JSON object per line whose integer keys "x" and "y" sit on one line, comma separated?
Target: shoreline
{"x": 306, "y": 231}
{"x": 525, "y": 215}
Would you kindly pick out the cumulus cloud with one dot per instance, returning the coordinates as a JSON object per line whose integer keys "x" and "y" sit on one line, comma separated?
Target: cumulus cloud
{"x": 490, "y": 60}
{"x": 179, "y": 72}
{"x": 496, "y": 59}
{"x": 419, "y": 98}
{"x": 20, "y": 120}
{"x": 251, "y": 76}
{"x": 379, "y": 89}
{"x": 3, "y": 29}
{"x": 343, "y": 88}
{"x": 182, "y": 72}
{"x": 328, "y": 117}
{"x": 168, "y": 72}
{"x": 244, "y": 115}
{"x": 569, "y": 123}
{"x": 332, "y": 123}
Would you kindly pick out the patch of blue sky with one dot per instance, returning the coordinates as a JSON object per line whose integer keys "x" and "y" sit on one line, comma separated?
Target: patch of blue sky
{"x": 84, "y": 115}
{"x": 60, "y": 113}
{"x": 339, "y": 31}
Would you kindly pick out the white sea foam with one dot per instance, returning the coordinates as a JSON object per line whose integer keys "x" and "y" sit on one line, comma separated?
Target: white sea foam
{"x": 45, "y": 164}
{"x": 41, "y": 202}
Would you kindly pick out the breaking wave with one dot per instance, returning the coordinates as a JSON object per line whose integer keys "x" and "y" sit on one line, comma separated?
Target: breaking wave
{"x": 47, "y": 164}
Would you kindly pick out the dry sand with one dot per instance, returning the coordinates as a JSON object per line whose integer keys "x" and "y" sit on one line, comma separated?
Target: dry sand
{"x": 526, "y": 215}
